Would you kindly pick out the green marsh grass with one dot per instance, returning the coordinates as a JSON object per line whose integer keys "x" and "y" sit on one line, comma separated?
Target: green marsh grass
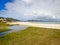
{"x": 32, "y": 36}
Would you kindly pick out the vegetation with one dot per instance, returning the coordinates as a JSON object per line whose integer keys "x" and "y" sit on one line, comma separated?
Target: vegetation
{"x": 9, "y": 19}
{"x": 32, "y": 36}
{"x": 3, "y": 27}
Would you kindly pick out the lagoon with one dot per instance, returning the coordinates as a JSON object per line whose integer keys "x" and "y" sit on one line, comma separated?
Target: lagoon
{"x": 14, "y": 28}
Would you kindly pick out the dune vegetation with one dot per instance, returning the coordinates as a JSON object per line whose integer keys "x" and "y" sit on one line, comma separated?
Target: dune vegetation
{"x": 32, "y": 36}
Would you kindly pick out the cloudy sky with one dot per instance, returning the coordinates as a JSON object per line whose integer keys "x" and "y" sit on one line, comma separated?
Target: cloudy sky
{"x": 29, "y": 9}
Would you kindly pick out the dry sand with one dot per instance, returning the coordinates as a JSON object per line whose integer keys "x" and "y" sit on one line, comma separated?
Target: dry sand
{"x": 41, "y": 25}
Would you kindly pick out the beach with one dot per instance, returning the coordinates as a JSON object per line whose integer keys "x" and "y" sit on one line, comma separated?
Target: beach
{"x": 41, "y": 25}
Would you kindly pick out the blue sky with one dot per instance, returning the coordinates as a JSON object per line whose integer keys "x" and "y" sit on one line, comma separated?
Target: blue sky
{"x": 2, "y": 4}
{"x": 30, "y": 9}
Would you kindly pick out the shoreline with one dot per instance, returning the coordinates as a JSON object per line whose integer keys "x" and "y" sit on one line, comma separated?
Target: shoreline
{"x": 41, "y": 25}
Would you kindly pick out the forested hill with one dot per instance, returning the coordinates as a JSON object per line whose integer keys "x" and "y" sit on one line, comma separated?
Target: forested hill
{"x": 9, "y": 19}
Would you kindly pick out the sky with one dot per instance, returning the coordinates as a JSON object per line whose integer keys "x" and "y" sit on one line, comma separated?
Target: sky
{"x": 30, "y": 9}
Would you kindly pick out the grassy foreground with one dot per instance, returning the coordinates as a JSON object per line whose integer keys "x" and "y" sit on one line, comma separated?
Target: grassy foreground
{"x": 32, "y": 36}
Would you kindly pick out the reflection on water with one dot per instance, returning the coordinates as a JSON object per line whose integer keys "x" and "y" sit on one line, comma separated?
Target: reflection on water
{"x": 2, "y": 33}
{"x": 14, "y": 28}
{"x": 17, "y": 28}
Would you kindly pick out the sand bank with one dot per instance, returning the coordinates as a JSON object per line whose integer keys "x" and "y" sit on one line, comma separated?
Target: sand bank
{"x": 41, "y": 25}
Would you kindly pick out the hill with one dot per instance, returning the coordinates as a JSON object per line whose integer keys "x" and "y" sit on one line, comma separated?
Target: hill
{"x": 45, "y": 19}
{"x": 8, "y": 19}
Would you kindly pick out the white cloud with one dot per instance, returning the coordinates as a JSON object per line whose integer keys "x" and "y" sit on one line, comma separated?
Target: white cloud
{"x": 27, "y": 1}
{"x": 27, "y": 9}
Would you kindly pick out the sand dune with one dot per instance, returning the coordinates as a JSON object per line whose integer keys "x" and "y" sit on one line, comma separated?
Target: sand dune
{"x": 41, "y": 25}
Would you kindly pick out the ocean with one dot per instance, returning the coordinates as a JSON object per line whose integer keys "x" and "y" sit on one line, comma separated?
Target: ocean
{"x": 47, "y": 22}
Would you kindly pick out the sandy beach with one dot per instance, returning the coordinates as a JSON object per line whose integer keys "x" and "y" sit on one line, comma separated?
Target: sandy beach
{"x": 41, "y": 25}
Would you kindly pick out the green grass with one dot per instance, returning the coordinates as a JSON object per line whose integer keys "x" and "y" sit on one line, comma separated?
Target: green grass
{"x": 3, "y": 27}
{"x": 4, "y": 24}
{"x": 3, "y": 30}
{"x": 32, "y": 36}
